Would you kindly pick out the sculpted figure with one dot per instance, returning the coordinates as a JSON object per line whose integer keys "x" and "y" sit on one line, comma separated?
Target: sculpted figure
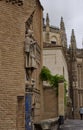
{"x": 28, "y": 40}
{"x": 30, "y": 48}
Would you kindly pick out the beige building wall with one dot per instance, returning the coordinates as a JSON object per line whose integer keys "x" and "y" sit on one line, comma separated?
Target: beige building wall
{"x": 50, "y": 103}
{"x": 53, "y": 36}
{"x": 12, "y": 69}
{"x": 61, "y": 106}
{"x": 54, "y": 59}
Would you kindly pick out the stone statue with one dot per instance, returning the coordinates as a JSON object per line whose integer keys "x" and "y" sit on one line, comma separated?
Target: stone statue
{"x": 30, "y": 47}
{"x": 28, "y": 40}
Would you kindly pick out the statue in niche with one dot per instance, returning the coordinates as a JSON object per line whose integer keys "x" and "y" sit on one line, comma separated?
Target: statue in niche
{"x": 28, "y": 75}
{"x": 30, "y": 47}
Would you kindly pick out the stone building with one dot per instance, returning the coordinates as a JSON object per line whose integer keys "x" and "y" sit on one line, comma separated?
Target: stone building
{"x": 55, "y": 58}
{"x": 63, "y": 61}
{"x": 16, "y": 18}
{"x": 75, "y": 65}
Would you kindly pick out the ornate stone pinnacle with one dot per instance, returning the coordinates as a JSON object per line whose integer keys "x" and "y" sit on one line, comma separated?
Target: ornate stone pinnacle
{"x": 72, "y": 36}
{"x": 62, "y": 24}
{"x": 47, "y": 19}
{"x": 73, "y": 40}
{"x": 73, "y": 32}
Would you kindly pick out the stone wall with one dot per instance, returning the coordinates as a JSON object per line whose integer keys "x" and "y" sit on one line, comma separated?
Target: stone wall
{"x": 50, "y": 103}
{"x": 57, "y": 61}
{"x": 12, "y": 71}
{"x": 53, "y": 36}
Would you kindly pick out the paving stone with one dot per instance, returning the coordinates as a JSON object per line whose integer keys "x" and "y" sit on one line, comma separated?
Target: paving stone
{"x": 72, "y": 125}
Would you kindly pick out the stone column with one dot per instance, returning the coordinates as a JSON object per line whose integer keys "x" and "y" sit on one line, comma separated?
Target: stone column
{"x": 61, "y": 99}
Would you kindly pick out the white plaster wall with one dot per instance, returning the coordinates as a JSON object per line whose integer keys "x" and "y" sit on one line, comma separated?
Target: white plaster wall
{"x": 55, "y": 61}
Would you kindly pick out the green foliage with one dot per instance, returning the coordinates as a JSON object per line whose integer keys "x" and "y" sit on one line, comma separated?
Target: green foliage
{"x": 54, "y": 80}
{"x": 45, "y": 74}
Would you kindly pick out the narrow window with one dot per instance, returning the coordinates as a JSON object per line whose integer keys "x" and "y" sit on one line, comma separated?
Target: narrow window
{"x": 20, "y": 112}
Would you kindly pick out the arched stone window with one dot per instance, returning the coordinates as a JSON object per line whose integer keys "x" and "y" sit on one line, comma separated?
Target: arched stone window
{"x": 53, "y": 40}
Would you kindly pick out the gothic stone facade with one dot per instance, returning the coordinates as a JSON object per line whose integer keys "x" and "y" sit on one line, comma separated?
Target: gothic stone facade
{"x": 75, "y": 63}
{"x": 64, "y": 61}
{"x": 54, "y": 57}
{"x": 13, "y": 16}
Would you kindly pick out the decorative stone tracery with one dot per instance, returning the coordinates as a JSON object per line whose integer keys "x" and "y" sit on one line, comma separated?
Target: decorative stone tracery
{"x": 18, "y": 2}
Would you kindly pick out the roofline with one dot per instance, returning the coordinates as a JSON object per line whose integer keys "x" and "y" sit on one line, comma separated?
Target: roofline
{"x": 41, "y": 5}
{"x": 53, "y": 27}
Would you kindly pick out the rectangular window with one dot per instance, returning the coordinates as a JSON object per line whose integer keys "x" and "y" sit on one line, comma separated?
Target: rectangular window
{"x": 53, "y": 42}
{"x": 20, "y": 112}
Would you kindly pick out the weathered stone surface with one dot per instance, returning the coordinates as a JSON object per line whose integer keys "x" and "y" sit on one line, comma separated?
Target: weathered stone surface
{"x": 12, "y": 69}
{"x": 61, "y": 107}
{"x": 72, "y": 125}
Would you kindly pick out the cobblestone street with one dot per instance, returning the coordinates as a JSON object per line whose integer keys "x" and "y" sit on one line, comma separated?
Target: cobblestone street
{"x": 72, "y": 125}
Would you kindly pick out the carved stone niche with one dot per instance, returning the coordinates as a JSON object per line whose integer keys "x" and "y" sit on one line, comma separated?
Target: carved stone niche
{"x": 18, "y": 2}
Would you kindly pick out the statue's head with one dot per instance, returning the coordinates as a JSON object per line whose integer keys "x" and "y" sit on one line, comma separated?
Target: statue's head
{"x": 30, "y": 32}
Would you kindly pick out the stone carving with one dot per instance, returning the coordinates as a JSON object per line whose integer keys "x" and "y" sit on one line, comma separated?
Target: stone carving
{"x": 29, "y": 21}
{"x": 30, "y": 48}
{"x": 19, "y": 2}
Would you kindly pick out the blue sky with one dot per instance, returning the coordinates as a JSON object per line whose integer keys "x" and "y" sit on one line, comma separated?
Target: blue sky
{"x": 71, "y": 11}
